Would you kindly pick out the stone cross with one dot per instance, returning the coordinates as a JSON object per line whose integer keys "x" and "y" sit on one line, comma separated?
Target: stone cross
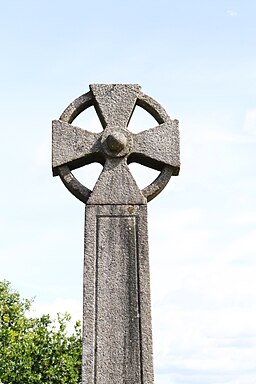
{"x": 117, "y": 335}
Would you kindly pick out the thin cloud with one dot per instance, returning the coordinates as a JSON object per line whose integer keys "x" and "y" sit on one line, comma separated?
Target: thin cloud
{"x": 59, "y": 305}
{"x": 232, "y": 13}
{"x": 250, "y": 121}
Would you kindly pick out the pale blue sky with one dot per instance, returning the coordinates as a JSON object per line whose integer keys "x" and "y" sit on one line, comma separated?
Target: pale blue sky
{"x": 198, "y": 59}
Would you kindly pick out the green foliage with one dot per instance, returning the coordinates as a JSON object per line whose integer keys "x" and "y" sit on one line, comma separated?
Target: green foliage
{"x": 36, "y": 350}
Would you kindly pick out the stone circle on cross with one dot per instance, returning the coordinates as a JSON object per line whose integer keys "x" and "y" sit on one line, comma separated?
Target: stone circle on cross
{"x": 116, "y": 146}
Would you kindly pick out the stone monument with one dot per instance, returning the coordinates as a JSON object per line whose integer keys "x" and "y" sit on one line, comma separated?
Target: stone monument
{"x": 117, "y": 335}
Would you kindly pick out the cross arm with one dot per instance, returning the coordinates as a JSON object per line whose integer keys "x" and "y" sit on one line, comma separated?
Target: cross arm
{"x": 157, "y": 147}
{"x": 73, "y": 146}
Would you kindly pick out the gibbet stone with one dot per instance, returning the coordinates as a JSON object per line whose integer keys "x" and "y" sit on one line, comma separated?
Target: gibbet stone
{"x": 117, "y": 333}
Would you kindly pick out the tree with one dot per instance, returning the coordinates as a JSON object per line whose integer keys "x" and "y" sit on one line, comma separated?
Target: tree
{"x": 36, "y": 350}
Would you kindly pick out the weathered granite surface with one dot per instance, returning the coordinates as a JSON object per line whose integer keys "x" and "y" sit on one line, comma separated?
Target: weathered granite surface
{"x": 117, "y": 319}
{"x": 117, "y": 336}
{"x": 74, "y": 147}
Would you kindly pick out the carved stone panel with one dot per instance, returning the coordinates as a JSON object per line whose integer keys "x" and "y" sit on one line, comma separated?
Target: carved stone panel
{"x": 117, "y": 328}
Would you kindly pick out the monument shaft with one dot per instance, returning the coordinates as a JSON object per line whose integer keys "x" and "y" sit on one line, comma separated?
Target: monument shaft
{"x": 117, "y": 320}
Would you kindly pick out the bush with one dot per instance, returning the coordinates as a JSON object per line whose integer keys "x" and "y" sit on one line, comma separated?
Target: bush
{"x": 36, "y": 350}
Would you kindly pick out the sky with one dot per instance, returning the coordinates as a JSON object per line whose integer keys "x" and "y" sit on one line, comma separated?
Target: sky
{"x": 197, "y": 58}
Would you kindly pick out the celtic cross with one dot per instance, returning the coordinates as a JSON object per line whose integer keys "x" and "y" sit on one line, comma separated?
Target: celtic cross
{"x": 117, "y": 335}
